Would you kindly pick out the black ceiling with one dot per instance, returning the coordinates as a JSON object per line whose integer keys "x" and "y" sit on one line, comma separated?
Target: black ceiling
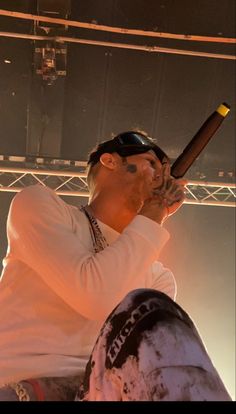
{"x": 107, "y": 90}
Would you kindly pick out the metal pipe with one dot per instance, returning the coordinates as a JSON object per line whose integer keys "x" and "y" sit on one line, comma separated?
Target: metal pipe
{"x": 120, "y": 30}
{"x": 145, "y": 48}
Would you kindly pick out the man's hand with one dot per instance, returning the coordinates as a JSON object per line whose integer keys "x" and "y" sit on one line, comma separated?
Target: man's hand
{"x": 167, "y": 197}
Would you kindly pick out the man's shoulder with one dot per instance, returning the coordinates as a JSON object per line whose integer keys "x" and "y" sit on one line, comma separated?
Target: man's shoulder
{"x": 35, "y": 191}
{"x": 34, "y": 195}
{"x": 38, "y": 202}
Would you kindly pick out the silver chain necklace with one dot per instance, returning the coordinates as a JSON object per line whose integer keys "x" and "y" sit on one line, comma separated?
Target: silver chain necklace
{"x": 99, "y": 241}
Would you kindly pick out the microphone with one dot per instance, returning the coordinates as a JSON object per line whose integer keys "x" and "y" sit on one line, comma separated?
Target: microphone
{"x": 199, "y": 141}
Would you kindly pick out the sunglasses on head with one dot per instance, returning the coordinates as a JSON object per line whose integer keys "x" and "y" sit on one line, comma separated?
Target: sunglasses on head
{"x": 126, "y": 144}
{"x": 131, "y": 143}
{"x": 132, "y": 138}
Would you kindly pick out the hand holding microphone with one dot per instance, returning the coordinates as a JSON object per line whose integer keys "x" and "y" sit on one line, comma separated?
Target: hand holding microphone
{"x": 171, "y": 192}
{"x": 167, "y": 198}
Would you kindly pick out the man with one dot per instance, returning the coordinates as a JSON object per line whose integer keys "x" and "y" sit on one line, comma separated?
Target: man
{"x": 67, "y": 269}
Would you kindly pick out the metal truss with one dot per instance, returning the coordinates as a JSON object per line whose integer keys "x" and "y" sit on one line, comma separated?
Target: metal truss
{"x": 69, "y": 179}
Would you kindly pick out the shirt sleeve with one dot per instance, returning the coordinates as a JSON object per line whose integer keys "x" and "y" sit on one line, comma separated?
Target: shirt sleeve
{"x": 163, "y": 280}
{"x": 41, "y": 235}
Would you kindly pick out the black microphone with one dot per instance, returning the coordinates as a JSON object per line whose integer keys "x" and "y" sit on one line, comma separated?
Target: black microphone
{"x": 199, "y": 141}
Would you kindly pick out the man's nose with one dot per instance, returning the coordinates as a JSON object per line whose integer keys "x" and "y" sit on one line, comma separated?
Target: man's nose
{"x": 158, "y": 172}
{"x": 157, "y": 175}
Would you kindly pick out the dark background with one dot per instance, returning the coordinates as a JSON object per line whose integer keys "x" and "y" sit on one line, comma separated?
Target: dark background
{"x": 108, "y": 90}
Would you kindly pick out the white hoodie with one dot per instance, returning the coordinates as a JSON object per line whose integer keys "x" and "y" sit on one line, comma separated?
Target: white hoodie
{"x": 55, "y": 292}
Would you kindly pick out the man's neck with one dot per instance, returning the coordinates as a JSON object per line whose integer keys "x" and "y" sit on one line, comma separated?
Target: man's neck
{"x": 113, "y": 212}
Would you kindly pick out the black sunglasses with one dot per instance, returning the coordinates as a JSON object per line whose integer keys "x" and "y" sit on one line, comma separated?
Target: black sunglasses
{"x": 125, "y": 144}
{"x": 132, "y": 138}
{"x": 131, "y": 143}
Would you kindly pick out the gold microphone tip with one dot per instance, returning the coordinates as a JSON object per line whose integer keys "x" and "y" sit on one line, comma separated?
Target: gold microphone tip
{"x": 223, "y": 109}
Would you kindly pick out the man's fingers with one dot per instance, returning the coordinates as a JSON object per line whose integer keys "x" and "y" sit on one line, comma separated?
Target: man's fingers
{"x": 174, "y": 193}
{"x": 166, "y": 170}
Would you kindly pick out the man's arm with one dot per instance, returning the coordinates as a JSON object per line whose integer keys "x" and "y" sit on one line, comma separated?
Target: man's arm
{"x": 41, "y": 235}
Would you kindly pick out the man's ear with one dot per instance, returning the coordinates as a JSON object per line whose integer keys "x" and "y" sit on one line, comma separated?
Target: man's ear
{"x": 108, "y": 161}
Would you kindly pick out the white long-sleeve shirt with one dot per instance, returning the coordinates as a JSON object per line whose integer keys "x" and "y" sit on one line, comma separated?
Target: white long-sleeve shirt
{"x": 55, "y": 292}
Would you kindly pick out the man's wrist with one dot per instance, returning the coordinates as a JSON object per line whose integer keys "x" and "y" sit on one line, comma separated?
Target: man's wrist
{"x": 158, "y": 218}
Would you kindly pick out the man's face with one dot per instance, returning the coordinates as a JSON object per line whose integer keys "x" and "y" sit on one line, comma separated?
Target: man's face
{"x": 148, "y": 164}
{"x": 144, "y": 172}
